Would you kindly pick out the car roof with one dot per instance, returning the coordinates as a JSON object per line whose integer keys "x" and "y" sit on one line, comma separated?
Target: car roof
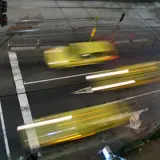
{"x": 91, "y": 47}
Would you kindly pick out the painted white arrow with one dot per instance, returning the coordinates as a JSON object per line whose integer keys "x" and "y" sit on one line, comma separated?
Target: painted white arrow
{"x": 134, "y": 120}
{"x": 84, "y": 90}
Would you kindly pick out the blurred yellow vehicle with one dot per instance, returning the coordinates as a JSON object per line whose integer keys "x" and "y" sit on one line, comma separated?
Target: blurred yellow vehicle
{"x": 76, "y": 124}
{"x": 79, "y": 54}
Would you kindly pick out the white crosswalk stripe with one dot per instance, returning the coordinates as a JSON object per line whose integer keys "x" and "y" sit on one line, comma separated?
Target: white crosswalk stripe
{"x": 23, "y": 100}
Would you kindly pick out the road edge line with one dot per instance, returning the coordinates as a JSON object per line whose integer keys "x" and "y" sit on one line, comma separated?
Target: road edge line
{"x": 4, "y": 133}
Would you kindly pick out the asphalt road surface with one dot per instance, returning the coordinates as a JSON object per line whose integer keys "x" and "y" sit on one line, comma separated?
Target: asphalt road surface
{"x": 37, "y": 76}
{"x": 53, "y": 95}
{"x": 45, "y": 103}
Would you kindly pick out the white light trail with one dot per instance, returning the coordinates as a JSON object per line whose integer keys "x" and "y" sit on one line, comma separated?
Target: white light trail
{"x": 113, "y": 85}
{"x": 106, "y": 74}
{"x": 58, "y": 62}
{"x": 53, "y": 133}
{"x": 37, "y": 124}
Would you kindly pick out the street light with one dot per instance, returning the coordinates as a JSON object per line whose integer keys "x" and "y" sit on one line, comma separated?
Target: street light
{"x": 120, "y": 20}
{"x": 122, "y": 17}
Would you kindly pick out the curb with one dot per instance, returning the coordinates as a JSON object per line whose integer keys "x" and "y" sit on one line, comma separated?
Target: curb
{"x": 118, "y": 42}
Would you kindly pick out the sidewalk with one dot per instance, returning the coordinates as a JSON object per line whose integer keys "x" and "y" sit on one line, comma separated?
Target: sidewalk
{"x": 51, "y": 15}
{"x": 147, "y": 152}
{"x": 83, "y": 13}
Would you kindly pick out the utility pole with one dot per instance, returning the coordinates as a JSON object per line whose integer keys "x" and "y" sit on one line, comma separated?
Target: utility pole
{"x": 120, "y": 20}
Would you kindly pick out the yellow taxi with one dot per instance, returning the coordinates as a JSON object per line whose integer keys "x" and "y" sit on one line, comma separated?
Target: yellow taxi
{"x": 77, "y": 124}
{"x": 79, "y": 54}
{"x": 126, "y": 77}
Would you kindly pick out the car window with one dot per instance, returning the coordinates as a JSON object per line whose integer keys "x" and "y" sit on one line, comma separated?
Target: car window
{"x": 74, "y": 49}
{"x": 108, "y": 53}
{"x": 111, "y": 53}
{"x": 86, "y": 56}
{"x": 92, "y": 55}
{"x": 97, "y": 54}
{"x": 100, "y": 54}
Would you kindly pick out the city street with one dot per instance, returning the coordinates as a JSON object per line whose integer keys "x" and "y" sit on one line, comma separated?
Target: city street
{"x": 30, "y": 90}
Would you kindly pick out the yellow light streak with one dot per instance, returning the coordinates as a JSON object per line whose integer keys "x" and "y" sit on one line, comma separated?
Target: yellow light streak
{"x": 82, "y": 114}
{"x": 81, "y": 120}
{"x": 69, "y": 137}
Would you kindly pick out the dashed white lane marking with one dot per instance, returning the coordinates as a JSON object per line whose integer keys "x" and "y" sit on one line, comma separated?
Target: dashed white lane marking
{"x": 23, "y": 100}
{"x": 4, "y": 133}
{"x": 122, "y": 42}
{"x": 140, "y": 40}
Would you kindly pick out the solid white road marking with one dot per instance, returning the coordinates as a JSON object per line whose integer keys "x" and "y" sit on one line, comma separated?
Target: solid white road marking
{"x": 59, "y": 78}
{"x": 4, "y": 133}
{"x": 23, "y": 100}
{"x": 136, "y": 96}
